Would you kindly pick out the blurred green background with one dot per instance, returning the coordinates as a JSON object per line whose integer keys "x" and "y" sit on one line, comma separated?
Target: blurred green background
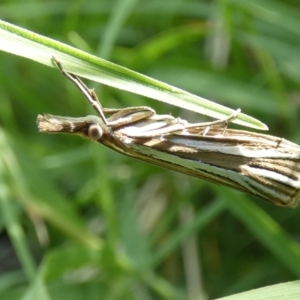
{"x": 79, "y": 221}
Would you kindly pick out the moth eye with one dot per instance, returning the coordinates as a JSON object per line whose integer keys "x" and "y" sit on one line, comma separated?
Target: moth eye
{"x": 95, "y": 132}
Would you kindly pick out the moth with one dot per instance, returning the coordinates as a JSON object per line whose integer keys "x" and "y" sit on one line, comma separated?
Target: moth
{"x": 262, "y": 165}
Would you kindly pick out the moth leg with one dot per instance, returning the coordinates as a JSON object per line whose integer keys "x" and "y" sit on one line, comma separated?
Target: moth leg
{"x": 119, "y": 117}
{"x": 178, "y": 126}
{"x": 88, "y": 93}
{"x": 222, "y": 124}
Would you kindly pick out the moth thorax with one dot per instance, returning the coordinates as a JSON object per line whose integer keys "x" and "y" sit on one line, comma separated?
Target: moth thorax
{"x": 95, "y": 132}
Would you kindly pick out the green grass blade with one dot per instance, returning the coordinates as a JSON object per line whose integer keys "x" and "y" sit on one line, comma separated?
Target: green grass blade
{"x": 28, "y": 44}
{"x": 283, "y": 291}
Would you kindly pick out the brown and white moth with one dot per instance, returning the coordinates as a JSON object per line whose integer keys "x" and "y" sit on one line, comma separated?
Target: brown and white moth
{"x": 258, "y": 164}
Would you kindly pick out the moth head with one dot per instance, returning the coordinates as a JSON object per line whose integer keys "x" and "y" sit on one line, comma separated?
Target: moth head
{"x": 90, "y": 127}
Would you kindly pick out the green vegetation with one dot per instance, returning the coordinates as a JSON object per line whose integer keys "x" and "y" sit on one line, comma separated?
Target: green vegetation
{"x": 79, "y": 221}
